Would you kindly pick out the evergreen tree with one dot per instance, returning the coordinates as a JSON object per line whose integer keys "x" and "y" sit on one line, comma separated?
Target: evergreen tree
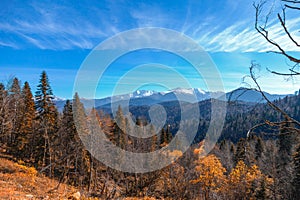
{"x": 284, "y": 161}
{"x": 258, "y": 148}
{"x": 48, "y": 121}
{"x": 163, "y": 137}
{"x": 82, "y": 156}
{"x": 296, "y": 175}
{"x": 154, "y": 142}
{"x": 15, "y": 104}
{"x": 120, "y": 128}
{"x": 26, "y": 138}
{"x": 66, "y": 143}
{"x": 285, "y": 144}
{"x": 169, "y": 135}
{"x": 240, "y": 154}
{"x": 4, "y": 114}
{"x": 261, "y": 192}
{"x": 79, "y": 115}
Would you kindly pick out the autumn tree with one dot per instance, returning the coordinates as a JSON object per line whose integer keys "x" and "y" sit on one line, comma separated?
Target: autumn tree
{"x": 120, "y": 128}
{"x": 15, "y": 104}
{"x": 26, "y": 139}
{"x": 5, "y": 125}
{"x": 296, "y": 173}
{"x": 211, "y": 178}
{"x": 243, "y": 181}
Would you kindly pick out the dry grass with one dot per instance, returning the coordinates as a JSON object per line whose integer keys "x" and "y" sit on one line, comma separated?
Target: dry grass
{"x": 20, "y": 182}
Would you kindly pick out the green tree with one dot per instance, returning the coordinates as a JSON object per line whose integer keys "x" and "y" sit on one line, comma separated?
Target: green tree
{"x": 259, "y": 148}
{"x": 296, "y": 177}
{"x": 15, "y": 105}
{"x": 82, "y": 156}
{"x": 26, "y": 140}
{"x": 240, "y": 154}
{"x": 47, "y": 115}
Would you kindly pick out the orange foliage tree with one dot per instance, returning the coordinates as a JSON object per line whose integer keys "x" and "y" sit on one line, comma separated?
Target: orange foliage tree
{"x": 211, "y": 177}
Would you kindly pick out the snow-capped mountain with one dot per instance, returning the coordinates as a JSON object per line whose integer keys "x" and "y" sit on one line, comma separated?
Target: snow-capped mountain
{"x": 150, "y": 97}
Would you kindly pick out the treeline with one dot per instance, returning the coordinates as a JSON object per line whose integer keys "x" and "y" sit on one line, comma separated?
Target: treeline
{"x": 32, "y": 130}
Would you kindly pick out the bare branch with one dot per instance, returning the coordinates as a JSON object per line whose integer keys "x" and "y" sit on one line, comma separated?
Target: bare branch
{"x": 265, "y": 34}
{"x": 292, "y": 7}
{"x": 286, "y": 31}
{"x": 291, "y": 1}
{"x": 293, "y": 73}
{"x": 272, "y": 105}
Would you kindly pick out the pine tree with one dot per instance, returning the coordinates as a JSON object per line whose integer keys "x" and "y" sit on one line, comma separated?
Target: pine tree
{"x": 169, "y": 135}
{"x": 66, "y": 143}
{"x": 26, "y": 138}
{"x": 47, "y": 115}
{"x": 296, "y": 174}
{"x": 79, "y": 115}
{"x": 258, "y": 148}
{"x": 15, "y": 104}
{"x": 154, "y": 142}
{"x": 120, "y": 128}
{"x": 284, "y": 161}
{"x": 240, "y": 154}
{"x": 261, "y": 192}
{"x": 285, "y": 144}
{"x": 82, "y": 156}
{"x": 5, "y": 122}
{"x": 163, "y": 137}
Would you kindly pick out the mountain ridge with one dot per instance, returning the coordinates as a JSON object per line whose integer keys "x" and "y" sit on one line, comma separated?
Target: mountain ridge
{"x": 191, "y": 95}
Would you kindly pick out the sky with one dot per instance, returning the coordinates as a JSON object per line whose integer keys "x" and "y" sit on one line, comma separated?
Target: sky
{"x": 58, "y": 36}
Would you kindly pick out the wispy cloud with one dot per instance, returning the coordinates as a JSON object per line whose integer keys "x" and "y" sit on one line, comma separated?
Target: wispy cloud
{"x": 48, "y": 25}
{"x": 51, "y": 29}
{"x": 244, "y": 38}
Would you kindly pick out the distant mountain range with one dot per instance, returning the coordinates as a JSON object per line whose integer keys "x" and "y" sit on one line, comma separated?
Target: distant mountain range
{"x": 190, "y": 95}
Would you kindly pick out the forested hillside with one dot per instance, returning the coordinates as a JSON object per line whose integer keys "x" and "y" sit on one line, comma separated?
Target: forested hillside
{"x": 264, "y": 165}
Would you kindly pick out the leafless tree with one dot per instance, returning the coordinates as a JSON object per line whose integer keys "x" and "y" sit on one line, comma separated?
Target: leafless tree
{"x": 261, "y": 26}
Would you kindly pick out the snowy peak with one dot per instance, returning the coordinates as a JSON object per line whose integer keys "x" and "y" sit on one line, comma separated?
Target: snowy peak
{"x": 188, "y": 91}
{"x": 191, "y": 95}
{"x": 184, "y": 91}
{"x": 142, "y": 93}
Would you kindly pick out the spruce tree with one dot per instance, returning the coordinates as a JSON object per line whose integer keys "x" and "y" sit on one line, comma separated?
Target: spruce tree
{"x": 285, "y": 144}
{"x": 258, "y": 148}
{"x": 240, "y": 154}
{"x": 5, "y": 122}
{"x": 82, "y": 156}
{"x": 48, "y": 118}
{"x": 120, "y": 128}
{"x": 3, "y": 112}
{"x": 66, "y": 143}
{"x": 26, "y": 138}
{"x": 296, "y": 174}
{"x": 154, "y": 139}
{"x": 15, "y": 104}
{"x": 163, "y": 137}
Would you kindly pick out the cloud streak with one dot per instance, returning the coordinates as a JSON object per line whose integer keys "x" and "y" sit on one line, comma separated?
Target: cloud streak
{"x": 59, "y": 27}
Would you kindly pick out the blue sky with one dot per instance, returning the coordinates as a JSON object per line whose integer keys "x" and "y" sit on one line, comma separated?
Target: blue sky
{"x": 56, "y": 36}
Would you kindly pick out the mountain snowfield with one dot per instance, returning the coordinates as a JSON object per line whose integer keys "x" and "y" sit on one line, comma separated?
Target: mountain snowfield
{"x": 191, "y": 95}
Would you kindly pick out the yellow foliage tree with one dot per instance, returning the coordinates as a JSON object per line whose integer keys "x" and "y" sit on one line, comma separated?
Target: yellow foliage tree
{"x": 243, "y": 181}
{"x": 211, "y": 175}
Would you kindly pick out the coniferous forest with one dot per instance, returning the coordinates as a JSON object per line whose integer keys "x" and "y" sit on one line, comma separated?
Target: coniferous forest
{"x": 262, "y": 165}
{"x": 43, "y": 149}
